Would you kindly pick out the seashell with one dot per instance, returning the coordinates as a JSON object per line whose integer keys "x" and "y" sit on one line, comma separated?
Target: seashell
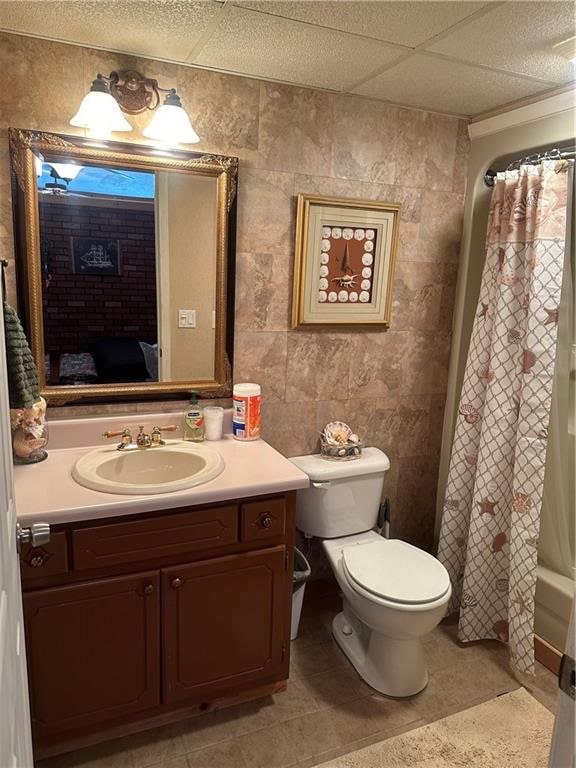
{"x": 359, "y": 234}
{"x": 356, "y": 451}
{"x": 332, "y": 296}
{"x": 468, "y": 600}
{"x": 522, "y": 502}
{"x": 324, "y": 258}
{"x": 354, "y": 439}
{"x": 347, "y": 233}
{"x": 452, "y": 504}
{"x": 367, "y": 259}
{"x": 322, "y": 283}
{"x": 343, "y": 296}
{"x": 369, "y": 246}
{"x": 502, "y": 585}
{"x": 471, "y": 459}
{"x": 498, "y": 542}
{"x": 369, "y": 234}
{"x": 471, "y": 415}
{"x": 24, "y": 444}
{"x": 326, "y": 231}
{"x": 364, "y": 296}
{"x": 367, "y": 272}
{"x": 337, "y": 433}
{"x": 485, "y": 372}
{"x": 322, "y": 296}
{"x": 325, "y": 245}
{"x": 336, "y": 233}
{"x": 323, "y": 270}
{"x": 353, "y": 296}
{"x": 514, "y": 336}
{"x": 528, "y": 360}
{"x": 365, "y": 285}
{"x": 342, "y": 452}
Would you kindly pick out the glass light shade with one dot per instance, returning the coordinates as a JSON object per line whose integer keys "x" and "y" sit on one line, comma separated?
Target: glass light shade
{"x": 100, "y": 114}
{"x": 171, "y": 126}
{"x": 67, "y": 171}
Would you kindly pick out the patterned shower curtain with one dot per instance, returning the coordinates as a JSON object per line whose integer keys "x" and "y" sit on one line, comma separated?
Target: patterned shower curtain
{"x": 491, "y": 516}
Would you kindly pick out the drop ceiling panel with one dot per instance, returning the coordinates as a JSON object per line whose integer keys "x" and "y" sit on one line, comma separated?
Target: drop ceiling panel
{"x": 404, "y": 23}
{"x": 430, "y": 83}
{"x": 274, "y": 48}
{"x": 165, "y": 29}
{"x": 517, "y": 37}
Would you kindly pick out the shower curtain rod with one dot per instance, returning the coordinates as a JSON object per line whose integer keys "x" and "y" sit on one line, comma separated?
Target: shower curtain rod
{"x": 567, "y": 153}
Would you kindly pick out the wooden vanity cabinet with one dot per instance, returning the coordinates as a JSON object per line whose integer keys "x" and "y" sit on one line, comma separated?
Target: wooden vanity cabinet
{"x": 123, "y": 638}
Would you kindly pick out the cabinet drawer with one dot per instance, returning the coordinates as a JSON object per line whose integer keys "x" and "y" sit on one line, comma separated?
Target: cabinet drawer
{"x": 50, "y": 559}
{"x": 263, "y": 519}
{"x": 182, "y": 533}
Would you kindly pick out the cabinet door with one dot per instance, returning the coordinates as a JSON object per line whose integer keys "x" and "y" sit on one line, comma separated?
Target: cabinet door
{"x": 223, "y": 624}
{"x": 93, "y": 651}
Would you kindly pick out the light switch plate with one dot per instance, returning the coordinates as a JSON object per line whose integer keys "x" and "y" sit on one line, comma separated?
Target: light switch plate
{"x": 186, "y": 318}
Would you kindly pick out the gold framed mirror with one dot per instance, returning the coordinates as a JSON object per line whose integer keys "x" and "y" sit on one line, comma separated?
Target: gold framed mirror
{"x": 125, "y": 259}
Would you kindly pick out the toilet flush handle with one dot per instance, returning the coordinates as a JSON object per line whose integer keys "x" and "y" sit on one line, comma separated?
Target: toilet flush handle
{"x": 327, "y": 484}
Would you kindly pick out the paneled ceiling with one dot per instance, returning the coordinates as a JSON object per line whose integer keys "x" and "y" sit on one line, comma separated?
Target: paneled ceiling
{"x": 464, "y": 58}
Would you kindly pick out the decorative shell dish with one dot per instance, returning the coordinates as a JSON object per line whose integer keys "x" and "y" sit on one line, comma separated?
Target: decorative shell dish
{"x": 338, "y": 442}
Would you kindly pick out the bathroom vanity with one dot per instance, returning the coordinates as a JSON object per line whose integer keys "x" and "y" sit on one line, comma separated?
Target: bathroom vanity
{"x": 140, "y": 611}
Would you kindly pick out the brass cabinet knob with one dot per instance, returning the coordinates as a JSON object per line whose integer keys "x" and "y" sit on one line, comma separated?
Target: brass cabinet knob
{"x": 266, "y": 521}
{"x": 176, "y": 583}
{"x": 148, "y": 589}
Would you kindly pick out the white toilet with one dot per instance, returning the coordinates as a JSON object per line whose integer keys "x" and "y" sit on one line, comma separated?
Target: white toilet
{"x": 393, "y": 593}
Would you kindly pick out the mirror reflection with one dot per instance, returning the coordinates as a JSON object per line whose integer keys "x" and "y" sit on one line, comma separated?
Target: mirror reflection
{"x": 128, "y": 263}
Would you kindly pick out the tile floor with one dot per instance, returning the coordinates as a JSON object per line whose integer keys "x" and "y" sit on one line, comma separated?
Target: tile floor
{"x": 326, "y": 711}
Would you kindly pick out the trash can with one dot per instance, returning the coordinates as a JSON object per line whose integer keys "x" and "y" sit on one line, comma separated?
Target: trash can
{"x": 299, "y": 578}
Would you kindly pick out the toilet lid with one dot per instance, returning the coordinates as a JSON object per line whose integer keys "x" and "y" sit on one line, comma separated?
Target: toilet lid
{"x": 396, "y": 571}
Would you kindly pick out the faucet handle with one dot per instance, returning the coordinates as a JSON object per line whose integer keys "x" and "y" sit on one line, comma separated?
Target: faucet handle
{"x": 156, "y": 434}
{"x": 168, "y": 428}
{"x": 116, "y": 433}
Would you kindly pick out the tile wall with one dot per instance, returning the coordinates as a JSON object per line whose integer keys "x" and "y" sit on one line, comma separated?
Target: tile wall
{"x": 390, "y": 386}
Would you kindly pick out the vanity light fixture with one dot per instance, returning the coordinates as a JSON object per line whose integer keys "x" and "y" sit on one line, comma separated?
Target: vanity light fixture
{"x": 130, "y": 92}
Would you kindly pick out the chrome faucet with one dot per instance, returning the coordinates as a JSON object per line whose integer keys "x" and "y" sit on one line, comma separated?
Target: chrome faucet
{"x": 143, "y": 439}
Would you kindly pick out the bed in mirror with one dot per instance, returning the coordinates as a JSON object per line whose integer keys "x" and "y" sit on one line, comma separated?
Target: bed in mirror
{"x": 125, "y": 266}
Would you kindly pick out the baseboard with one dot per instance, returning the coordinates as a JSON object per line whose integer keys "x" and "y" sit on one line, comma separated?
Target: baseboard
{"x": 547, "y": 655}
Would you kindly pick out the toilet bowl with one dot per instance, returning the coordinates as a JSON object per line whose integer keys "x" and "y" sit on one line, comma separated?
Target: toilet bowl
{"x": 393, "y": 593}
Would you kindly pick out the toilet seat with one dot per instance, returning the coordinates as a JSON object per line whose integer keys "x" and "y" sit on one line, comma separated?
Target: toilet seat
{"x": 396, "y": 572}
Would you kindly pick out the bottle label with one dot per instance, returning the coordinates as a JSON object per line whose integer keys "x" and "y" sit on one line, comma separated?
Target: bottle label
{"x": 246, "y": 417}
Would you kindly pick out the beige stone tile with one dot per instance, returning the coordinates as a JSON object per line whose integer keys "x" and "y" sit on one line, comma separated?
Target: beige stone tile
{"x": 249, "y": 716}
{"x": 425, "y": 362}
{"x": 413, "y": 425}
{"x": 417, "y": 297}
{"x": 290, "y": 427}
{"x": 437, "y": 407}
{"x": 414, "y": 514}
{"x": 159, "y": 745}
{"x": 336, "y": 686}
{"x": 365, "y": 140}
{"x": 318, "y": 365}
{"x": 449, "y": 282}
{"x": 224, "y": 755}
{"x": 441, "y": 135}
{"x": 295, "y": 701}
{"x": 261, "y": 357}
{"x": 461, "y": 158}
{"x": 205, "y": 730}
{"x": 409, "y": 197}
{"x": 35, "y": 68}
{"x": 440, "y": 226}
{"x": 266, "y": 213}
{"x": 295, "y": 130}
{"x": 472, "y": 681}
{"x": 110, "y": 754}
{"x": 320, "y": 657}
{"x": 262, "y": 292}
{"x": 356, "y": 719}
{"x": 223, "y": 110}
{"x": 390, "y": 713}
{"x": 268, "y": 748}
{"x": 376, "y": 360}
{"x": 327, "y": 186}
{"x": 312, "y": 734}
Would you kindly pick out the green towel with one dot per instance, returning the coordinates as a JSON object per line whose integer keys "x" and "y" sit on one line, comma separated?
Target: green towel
{"x": 23, "y": 386}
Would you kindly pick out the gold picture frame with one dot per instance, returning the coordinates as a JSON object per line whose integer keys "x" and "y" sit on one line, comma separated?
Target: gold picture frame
{"x": 25, "y": 146}
{"x": 345, "y": 255}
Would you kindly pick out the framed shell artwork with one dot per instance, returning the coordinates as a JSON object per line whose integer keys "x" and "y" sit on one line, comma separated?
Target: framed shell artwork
{"x": 344, "y": 261}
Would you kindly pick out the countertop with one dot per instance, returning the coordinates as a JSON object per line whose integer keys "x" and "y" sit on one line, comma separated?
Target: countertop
{"x": 46, "y": 492}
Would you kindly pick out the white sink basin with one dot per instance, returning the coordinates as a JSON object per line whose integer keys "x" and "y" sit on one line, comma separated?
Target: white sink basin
{"x": 171, "y": 467}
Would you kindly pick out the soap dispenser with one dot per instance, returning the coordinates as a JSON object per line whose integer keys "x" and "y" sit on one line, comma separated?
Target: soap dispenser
{"x": 194, "y": 420}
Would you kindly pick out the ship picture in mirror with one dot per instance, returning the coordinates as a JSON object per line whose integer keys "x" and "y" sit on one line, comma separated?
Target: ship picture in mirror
{"x": 123, "y": 252}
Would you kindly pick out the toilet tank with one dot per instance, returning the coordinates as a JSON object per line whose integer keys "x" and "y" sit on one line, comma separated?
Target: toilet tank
{"x": 344, "y": 496}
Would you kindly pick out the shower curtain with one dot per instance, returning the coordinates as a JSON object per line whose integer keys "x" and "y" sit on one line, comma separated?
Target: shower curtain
{"x": 491, "y": 514}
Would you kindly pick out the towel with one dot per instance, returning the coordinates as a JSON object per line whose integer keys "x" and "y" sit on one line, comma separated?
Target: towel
{"x": 23, "y": 386}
